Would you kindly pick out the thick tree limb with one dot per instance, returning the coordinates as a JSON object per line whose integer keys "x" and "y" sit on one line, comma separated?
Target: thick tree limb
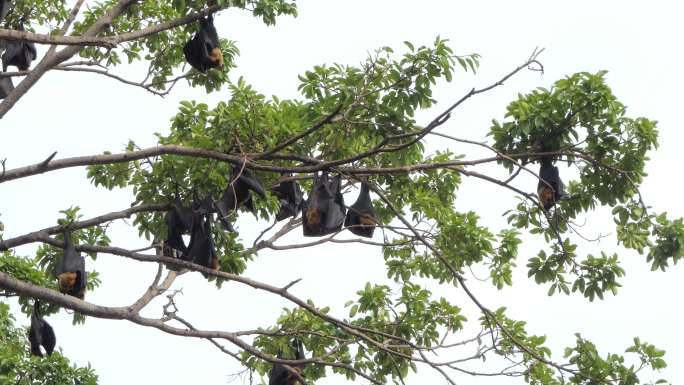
{"x": 52, "y": 59}
{"x": 238, "y": 159}
{"x": 37, "y": 236}
{"x": 106, "y": 42}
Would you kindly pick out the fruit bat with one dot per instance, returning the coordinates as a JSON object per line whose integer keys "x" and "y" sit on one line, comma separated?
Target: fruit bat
{"x": 19, "y": 54}
{"x": 203, "y": 51}
{"x": 237, "y": 194}
{"x": 361, "y": 219}
{"x": 553, "y": 190}
{"x": 279, "y": 375}
{"x": 70, "y": 271}
{"x": 291, "y": 199}
{"x": 40, "y": 333}
{"x": 324, "y": 209}
{"x": 179, "y": 221}
{"x": 201, "y": 249}
{"x": 6, "y": 86}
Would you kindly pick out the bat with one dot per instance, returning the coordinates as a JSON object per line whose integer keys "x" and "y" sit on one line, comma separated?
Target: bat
{"x": 6, "y": 86}
{"x": 203, "y": 51}
{"x": 19, "y": 54}
{"x": 279, "y": 375}
{"x": 4, "y": 9}
{"x": 237, "y": 194}
{"x": 291, "y": 199}
{"x": 324, "y": 209}
{"x": 550, "y": 188}
{"x": 40, "y": 333}
{"x": 201, "y": 249}
{"x": 361, "y": 219}
{"x": 70, "y": 271}
{"x": 178, "y": 221}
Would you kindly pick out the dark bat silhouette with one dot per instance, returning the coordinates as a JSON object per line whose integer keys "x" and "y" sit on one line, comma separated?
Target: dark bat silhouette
{"x": 237, "y": 194}
{"x": 553, "y": 190}
{"x": 4, "y": 8}
{"x": 19, "y": 54}
{"x": 40, "y": 333}
{"x": 178, "y": 221}
{"x": 279, "y": 375}
{"x": 6, "y": 86}
{"x": 324, "y": 208}
{"x": 201, "y": 249}
{"x": 361, "y": 219}
{"x": 203, "y": 51}
{"x": 291, "y": 199}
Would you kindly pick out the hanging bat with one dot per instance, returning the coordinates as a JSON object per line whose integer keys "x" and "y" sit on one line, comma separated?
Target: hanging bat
{"x": 202, "y": 250}
{"x": 203, "y": 51}
{"x": 550, "y": 188}
{"x": 237, "y": 194}
{"x": 19, "y": 54}
{"x": 361, "y": 219}
{"x": 291, "y": 199}
{"x": 178, "y": 221}
{"x": 4, "y": 8}
{"x": 70, "y": 271}
{"x": 40, "y": 333}
{"x": 6, "y": 86}
{"x": 279, "y": 375}
{"x": 324, "y": 209}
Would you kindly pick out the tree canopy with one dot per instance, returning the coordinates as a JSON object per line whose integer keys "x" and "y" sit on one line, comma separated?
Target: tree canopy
{"x": 356, "y": 123}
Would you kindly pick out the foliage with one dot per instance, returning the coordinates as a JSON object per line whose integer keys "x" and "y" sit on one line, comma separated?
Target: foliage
{"x": 19, "y": 368}
{"x": 369, "y": 113}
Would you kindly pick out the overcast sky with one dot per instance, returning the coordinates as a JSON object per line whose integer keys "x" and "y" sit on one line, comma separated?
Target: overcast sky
{"x": 80, "y": 114}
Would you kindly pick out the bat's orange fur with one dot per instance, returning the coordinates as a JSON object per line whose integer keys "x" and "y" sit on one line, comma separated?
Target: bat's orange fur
{"x": 367, "y": 220}
{"x": 216, "y": 56}
{"x": 547, "y": 196}
{"x": 313, "y": 217}
{"x": 67, "y": 281}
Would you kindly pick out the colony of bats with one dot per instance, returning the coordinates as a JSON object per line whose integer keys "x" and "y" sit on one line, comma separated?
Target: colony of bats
{"x": 324, "y": 211}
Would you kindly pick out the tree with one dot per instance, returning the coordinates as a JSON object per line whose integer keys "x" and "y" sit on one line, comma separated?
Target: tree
{"x": 357, "y": 122}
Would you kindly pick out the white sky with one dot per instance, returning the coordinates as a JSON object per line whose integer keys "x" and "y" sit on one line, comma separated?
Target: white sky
{"x": 79, "y": 114}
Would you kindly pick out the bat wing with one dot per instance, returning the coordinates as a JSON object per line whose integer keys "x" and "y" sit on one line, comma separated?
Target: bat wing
{"x": 11, "y": 55}
{"x": 4, "y": 8}
{"x": 70, "y": 261}
{"x": 316, "y": 207}
{"x": 175, "y": 235}
{"x": 179, "y": 221}
{"x": 193, "y": 54}
{"x": 251, "y": 182}
{"x": 291, "y": 199}
{"x": 200, "y": 243}
{"x": 6, "y": 86}
{"x": 335, "y": 213}
{"x": 361, "y": 213}
{"x": 278, "y": 375}
{"x": 34, "y": 335}
{"x": 48, "y": 338}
